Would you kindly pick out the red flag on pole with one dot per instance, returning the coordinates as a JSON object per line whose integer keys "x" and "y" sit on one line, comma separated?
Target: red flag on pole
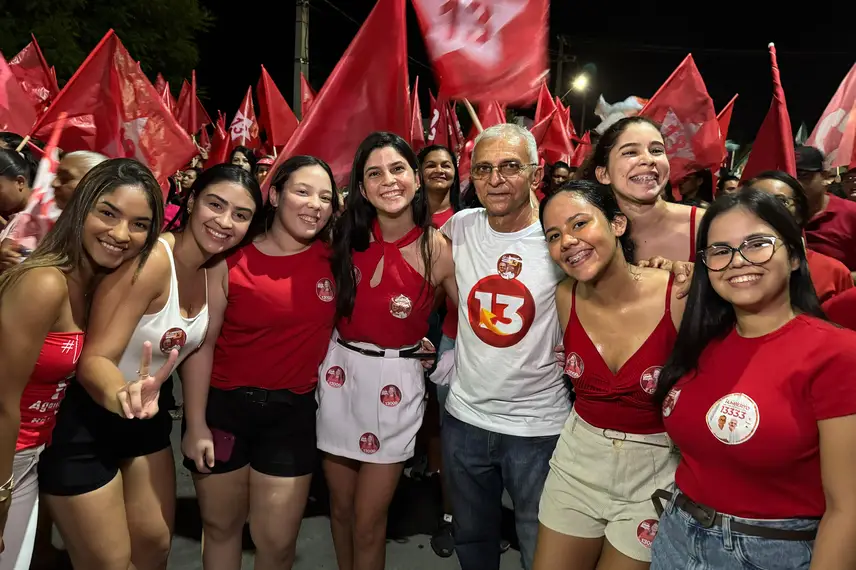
{"x": 774, "y": 144}
{"x": 417, "y": 129}
{"x": 829, "y": 134}
{"x": 113, "y": 109}
{"x": 221, "y": 144}
{"x": 565, "y": 113}
{"x": 168, "y": 100}
{"x": 190, "y": 117}
{"x": 17, "y": 113}
{"x": 276, "y": 116}
{"x": 438, "y": 130}
{"x": 307, "y": 96}
{"x": 244, "y": 130}
{"x": 552, "y": 138}
{"x": 690, "y": 130}
{"x": 366, "y": 92}
{"x": 582, "y": 151}
{"x": 546, "y": 105}
{"x": 724, "y": 120}
{"x": 160, "y": 84}
{"x": 486, "y": 50}
{"x": 35, "y": 76}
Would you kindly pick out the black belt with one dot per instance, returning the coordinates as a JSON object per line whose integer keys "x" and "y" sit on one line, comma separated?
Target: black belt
{"x": 707, "y": 517}
{"x": 262, "y": 396}
{"x": 413, "y": 352}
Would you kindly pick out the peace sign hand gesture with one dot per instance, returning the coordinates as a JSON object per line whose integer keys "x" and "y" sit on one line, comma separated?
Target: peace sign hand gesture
{"x": 139, "y": 398}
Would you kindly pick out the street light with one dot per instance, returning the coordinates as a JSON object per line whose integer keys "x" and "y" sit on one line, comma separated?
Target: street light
{"x": 580, "y": 83}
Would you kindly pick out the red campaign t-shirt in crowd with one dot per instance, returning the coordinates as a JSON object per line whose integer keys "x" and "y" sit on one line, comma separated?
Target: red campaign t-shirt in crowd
{"x": 746, "y": 420}
{"x": 450, "y": 321}
{"x": 278, "y": 321}
{"x": 841, "y": 309}
{"x": 832, "y": 232}
{"x": 829, "y": 276}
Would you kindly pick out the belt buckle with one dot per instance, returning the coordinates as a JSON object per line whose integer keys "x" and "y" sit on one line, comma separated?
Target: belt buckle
{"x": 256, "y": 396}
{"x": 706, "y": 517}
{"x": 623, "y": 435}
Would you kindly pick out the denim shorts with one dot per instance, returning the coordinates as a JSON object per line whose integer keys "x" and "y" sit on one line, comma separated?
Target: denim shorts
{"x": 682, "y": 542}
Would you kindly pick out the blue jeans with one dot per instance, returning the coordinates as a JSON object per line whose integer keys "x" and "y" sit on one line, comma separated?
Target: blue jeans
{"x": 478, "y": 463}
{"x": 682, "y": 542}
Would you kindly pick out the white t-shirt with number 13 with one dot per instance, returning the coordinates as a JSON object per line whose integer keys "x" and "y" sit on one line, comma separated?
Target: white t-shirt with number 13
{"x": 506, "y": 379}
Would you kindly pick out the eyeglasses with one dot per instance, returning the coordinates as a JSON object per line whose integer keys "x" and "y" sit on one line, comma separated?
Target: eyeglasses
{"x": 508, "y": 169}
{"x": 755, "y": 250}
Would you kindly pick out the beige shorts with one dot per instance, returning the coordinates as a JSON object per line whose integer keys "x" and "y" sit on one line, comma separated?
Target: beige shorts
{"x": 600, "y": 484}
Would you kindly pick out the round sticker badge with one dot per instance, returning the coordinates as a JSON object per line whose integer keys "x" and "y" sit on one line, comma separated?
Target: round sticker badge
{"x": 500, "y": 311}
{"x": 400, "y": 306}
{"x": 646, "y": 532}
{"x": 390, "y": 396}
{"x": 335, "y": 376}
{"x": 733, "y": 419}
{"x": 670, "y": 402}
{"x": 509, "y": 265}
{"x": 574, "y": 365}
{"x": 174, "y": 338}
{"x": 369, "y": 443}
{"x": 649, "y": 379}
{"x": 324, "y": 289}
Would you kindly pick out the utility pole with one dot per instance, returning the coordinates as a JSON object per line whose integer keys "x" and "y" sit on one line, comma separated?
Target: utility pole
{"x": 559, "y": 88}
{"x": 301, "y": 51}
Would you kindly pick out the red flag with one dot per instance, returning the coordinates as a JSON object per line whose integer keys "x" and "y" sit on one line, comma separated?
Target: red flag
{"x": 582, "y": 151}
{"x": 829, "y": 134}
{"x": 438, "y": 130}
{"x": 546, "y": 105}
{"x": 220, "y": 146}
{"x": 161, "y": 84}
{"x": 17, "y": 113}
{"x": 565, "y": 113}
{"x": 307, "y": 96}
{"x": 490, "y": 114}
{"x": 366, "y": 92}
{"x": 244, "y": 130}
{"x": 205, "y": 140}
{"x": 167, "y": 99}
{"x": 686, "y": 113}
{"x": 456, "y": 131}
{"x": 276, "y": 116}
{"x": 190, "y": 117}
{"x": 417, "y": 129}
{"x": 724, "y": 120}
{"x": 114, "y": 109}
{"x": 34, "y": 75}
{"x": 486, "y": 50}
{"x": 774, "y": 144}
{"x": 554, "y": 144}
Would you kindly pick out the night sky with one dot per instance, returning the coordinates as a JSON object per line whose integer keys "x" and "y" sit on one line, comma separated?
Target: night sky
{"x": 634, "y": 52}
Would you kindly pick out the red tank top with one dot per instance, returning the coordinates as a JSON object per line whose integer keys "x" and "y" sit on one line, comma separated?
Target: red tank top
{"x": 396, "y": 312}
{"x": 622, "y": 401}
{"x": 46, "y": 388}
{"x": 692, "y": 234}
{"x": 278, "y": 320}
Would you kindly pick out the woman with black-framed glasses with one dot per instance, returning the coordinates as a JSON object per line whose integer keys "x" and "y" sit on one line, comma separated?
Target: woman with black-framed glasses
{"x": 759, "y": 395}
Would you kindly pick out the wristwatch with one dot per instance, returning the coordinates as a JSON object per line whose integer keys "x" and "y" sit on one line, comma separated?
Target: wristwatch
{"x": 6, "y": 491}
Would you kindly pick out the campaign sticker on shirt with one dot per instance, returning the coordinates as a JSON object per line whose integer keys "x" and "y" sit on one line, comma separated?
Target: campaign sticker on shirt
{"x": 649, "y": 379}
{"x": 509, "y": 265}
{"x": 670, "y": 402}
{"x": 390, "y": 396}
{"x": 369, "y": 443}
{"x": 646, "y": 532}
{"x": 400, "y": 306}
{"x": 335, "y": 376}
{"x": 574, "y": 365}
{"x": 358, "y": 275}
{"x": 324, "y": 289}
{"x": 174, "y": 338}
{"x": 733, "y": 419}
{"x": 500, "y": 311}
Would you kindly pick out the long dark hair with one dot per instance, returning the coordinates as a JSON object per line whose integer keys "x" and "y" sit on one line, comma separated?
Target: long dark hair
{"x": 600, "y": 155}
{"x": 13, "y": 165}
{"x": 13, "y": 141}
{"x": 62, "y": 247}
{"x": 214, "y": 175}
{"x": 800, "y": 198}
{"x": 251, "y": 157}
{"x": 707, "y": 315}
{"x": 280, "y": 178}
{"x": 601, "y": 197}
{"x": 353, "y": 228}
{"x": 455, "y": 189}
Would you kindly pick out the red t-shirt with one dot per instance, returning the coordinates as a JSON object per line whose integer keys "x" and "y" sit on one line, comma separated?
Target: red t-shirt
{"x": 832, "y": 232}
{"x": 278, "y": 321}
{"x": 829, "y": 276}
{"x": 841, "y": 309}
{"x": 746, "y": 420}
{"x": 450, "y": 321}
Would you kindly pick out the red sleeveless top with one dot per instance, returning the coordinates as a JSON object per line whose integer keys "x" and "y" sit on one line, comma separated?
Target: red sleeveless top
{"x": 46, "y": 388}
{"x": 622, "y": 401}
{"x": 396, "y": 312}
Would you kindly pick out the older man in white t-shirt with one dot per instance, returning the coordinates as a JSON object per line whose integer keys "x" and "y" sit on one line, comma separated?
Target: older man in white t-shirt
{"x": 508, "y": 401}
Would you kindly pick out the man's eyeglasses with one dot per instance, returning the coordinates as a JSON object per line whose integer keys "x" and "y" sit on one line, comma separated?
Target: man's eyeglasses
{"x": 507, "y": 169}
{"x": 755, "y": 250}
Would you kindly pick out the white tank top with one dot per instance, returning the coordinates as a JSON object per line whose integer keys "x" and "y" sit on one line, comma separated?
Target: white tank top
{"x": 167, "y": 329}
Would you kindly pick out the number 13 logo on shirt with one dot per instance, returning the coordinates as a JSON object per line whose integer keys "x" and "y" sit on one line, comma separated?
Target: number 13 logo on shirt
{"x": 500, "y": 311}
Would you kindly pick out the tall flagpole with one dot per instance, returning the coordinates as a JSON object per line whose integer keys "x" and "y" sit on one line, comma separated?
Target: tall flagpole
{"x": 301, "y": 52}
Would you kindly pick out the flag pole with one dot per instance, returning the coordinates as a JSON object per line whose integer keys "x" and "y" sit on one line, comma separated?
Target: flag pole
{"x": 23, "y": 144}
{"x": 473, "y": 115}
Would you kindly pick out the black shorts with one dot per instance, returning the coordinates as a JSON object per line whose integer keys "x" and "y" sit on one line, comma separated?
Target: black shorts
{"x": 272, "y": 432}
{"x": 89, "y": 443}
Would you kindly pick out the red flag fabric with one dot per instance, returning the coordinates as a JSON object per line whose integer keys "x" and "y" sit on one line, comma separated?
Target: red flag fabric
{"x": 34, "y": 75}
{"x": 486, "y": 50}
{"x": 490, "y": 113}
{"x": 366, "y": 92}
{"x": 417, "y": 129}
{"x": 114, "y": 109}
{"x": 582, "y": 151}
{"x": 161, "y": 84}
{"x": 690, "y": 130}
{"x": 774, "y": 144}
{"x": 829, "y": 134}
{"x": 457, "y": 132}
{"x": 205, "y": 140}
{"x": 190, "y": 118}
{"x": 17, "y": 113}
{"x": 438, "y": 131}
{"x": 307, "y": 96}
{"x": 565, "y": 113}
{"x": 554, "y": 144}
{"x": 724, "y": 120}
{"x": 546, "y": 105}
{"x": 244, "y": 130}
{"x": 167, "y": 99}
{"x": 220, "y": 146}
{"x": 276, "y": 116}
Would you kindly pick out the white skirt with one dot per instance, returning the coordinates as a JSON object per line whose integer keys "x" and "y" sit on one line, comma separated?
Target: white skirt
{"x": 369, "y": 407}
